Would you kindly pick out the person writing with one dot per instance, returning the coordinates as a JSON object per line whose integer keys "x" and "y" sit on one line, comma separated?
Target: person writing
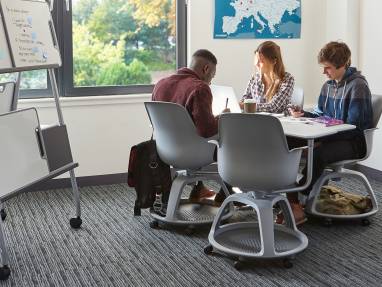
{"x": 190, "y": 88}
{"x": 345, "y": 96}
{"x": 270, "y": 86}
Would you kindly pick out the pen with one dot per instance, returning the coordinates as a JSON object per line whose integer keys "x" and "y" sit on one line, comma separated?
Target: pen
{"x": 226, "y": 103}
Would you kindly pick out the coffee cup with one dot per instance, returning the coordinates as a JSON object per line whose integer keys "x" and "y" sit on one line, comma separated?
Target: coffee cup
{"x": 249, "y": 106}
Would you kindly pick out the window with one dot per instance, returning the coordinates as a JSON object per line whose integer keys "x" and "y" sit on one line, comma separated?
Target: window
{"x": 112, "y": 47}
{"x": 119, "y": 46}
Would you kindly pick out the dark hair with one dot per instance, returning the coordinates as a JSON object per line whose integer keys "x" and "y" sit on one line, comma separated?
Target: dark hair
{"x": 207, "y": 55}
{"x": 271, "y": 51}
{"x": 336, "y": 53}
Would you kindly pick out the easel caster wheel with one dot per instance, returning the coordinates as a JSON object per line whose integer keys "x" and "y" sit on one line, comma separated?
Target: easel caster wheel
{"x": 75, "y": 222}
{"x": 238, "y": 265}
{"x": 189, "y": 230}
{"x": 287, "y": 263}
{"x": 208, "y": 250}
{"x": 3, "y": 214}
{"x": 4, "y": 272}
{"x": 328, "y": 222}
{"x": 365, "y": 222}
{"x": 154, "y": 224}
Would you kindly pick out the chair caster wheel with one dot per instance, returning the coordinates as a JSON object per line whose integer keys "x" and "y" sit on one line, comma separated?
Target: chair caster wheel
{"x": 328, "y": 222}
{"x": 238, "y": 265}
{"x": 137, "y": 211}
{"x": 208, "y": 250}
{"x": 154, "y": 224}
{"x": 75, "y": 222}
{"x": 4, "y": 272}
{"x": 365, "y": 222}
{"x": 3, "y": 214}
{"x": 287, "y": 263}
{"x": 189, "y": 230}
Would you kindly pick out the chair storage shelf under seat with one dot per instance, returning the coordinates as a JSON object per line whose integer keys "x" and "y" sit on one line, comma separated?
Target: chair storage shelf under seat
{"x": 262, "y": 239}
{"x": 182, "y": 211}
{"x": 243, "y": 239}
{"x": 343, "y": 173}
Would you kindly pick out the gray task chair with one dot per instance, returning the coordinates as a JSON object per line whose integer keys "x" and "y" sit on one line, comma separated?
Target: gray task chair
{"x": 297, "y": 98}
{"x": 337, "y": 171}
{"x": 253, "y": 155}
{"x": 180, "y": 146}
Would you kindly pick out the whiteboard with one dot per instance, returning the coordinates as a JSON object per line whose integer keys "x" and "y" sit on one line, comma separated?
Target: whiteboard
{"x": 5, "y": 57}
{"x": 31, "y": 36}
{"x": 219, "y": 98}
{"x": 21, "y": 161}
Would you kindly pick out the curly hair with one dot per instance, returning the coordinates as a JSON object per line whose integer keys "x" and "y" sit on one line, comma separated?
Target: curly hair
{"x": 336, "y": 53}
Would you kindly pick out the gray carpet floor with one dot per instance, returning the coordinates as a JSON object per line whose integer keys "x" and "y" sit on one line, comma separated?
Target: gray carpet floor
{"x": 114, "y": 248}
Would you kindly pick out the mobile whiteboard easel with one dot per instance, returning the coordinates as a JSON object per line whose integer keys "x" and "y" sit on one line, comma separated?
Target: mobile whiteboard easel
{"x": 29, "y": 152}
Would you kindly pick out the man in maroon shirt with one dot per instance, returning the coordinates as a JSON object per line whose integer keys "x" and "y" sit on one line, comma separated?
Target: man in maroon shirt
{"x": 190, "y": 88}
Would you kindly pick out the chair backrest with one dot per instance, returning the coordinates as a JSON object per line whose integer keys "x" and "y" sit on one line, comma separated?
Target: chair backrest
{"x": 376, "y": 102}
{"x": 178, "y": 142}
{"x": 253, "y": 153}
{"x": 7, "y": 97}
{"x": 297, "y": 97}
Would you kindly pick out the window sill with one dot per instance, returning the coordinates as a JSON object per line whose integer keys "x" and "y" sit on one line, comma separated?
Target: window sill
{"x": 85, "y": 101}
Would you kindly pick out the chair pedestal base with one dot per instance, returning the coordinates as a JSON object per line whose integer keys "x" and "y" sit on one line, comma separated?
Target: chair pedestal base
{"x": 262, "y": 239}
{"x": 243, "y": 240}
{"x": 342, "y": 173}
{"x": 182, "y": 212}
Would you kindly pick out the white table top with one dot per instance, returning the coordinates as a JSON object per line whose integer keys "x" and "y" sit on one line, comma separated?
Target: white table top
{"x": 304, "y": 128}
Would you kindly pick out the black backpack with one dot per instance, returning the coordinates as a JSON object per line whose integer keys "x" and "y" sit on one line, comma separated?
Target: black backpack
{"x": 150, "y": 177}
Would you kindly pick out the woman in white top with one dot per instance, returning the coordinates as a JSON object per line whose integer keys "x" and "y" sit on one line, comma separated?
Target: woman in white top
{"x": 271, "y": 86}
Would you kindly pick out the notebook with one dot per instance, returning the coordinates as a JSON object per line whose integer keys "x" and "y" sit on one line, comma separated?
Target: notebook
{"x": 328, "y": 121}
{"x": 219, "y": 98}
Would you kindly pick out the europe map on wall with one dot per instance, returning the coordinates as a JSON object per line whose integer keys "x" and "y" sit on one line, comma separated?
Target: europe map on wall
{"x": 263, "y": 19}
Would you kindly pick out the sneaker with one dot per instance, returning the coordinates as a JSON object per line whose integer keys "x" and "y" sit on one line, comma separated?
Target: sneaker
{"x": 219, "y": 198}
{"x": 199, "y": 193}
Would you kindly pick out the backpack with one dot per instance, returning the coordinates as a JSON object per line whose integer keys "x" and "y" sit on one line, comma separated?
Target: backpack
{"x": 333, "y": 200}
{"x": 150, "y": 177}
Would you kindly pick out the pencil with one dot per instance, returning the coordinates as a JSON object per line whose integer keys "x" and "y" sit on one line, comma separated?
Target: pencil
{"x": 226, "y": 103}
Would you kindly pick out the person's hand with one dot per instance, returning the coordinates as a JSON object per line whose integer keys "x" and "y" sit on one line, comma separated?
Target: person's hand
{"x": 296, "y": 112}
{"x": 226, "y": 110}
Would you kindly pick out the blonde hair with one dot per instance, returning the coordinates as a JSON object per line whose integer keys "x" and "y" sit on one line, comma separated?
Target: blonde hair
{"x": 272, "y": 52}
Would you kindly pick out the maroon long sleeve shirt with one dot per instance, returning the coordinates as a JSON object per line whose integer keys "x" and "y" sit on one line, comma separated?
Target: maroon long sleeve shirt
{"x": 187, "y": 89}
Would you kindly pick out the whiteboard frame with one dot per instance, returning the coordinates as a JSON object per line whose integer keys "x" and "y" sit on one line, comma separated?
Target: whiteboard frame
{"x": 11, "y": 52}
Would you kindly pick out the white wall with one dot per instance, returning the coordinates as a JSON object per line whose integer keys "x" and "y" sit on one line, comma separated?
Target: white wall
{"x": 371, "y": 63}
{"x": 235, "y": 57}
{"x": 102, "y": 129}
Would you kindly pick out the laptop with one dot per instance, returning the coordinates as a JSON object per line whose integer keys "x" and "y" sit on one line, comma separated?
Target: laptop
{"x": 219, "y": 98}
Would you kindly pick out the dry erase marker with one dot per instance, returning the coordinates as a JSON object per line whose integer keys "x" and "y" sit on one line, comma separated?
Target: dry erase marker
{"x": 226, "y": 103}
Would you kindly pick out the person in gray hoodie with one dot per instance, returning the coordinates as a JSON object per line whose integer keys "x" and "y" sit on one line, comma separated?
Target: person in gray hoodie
{"x": 345, "y": 96}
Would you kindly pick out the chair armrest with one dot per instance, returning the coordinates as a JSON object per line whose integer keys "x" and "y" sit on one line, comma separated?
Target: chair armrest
{"x": 368, "y": 131}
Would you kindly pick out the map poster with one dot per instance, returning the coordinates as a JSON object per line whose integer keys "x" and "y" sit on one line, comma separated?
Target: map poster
{"x": 263, "y": 19}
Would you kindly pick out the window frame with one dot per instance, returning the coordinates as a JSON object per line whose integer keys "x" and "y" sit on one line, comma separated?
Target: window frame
{"x": 65, "y": 73}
